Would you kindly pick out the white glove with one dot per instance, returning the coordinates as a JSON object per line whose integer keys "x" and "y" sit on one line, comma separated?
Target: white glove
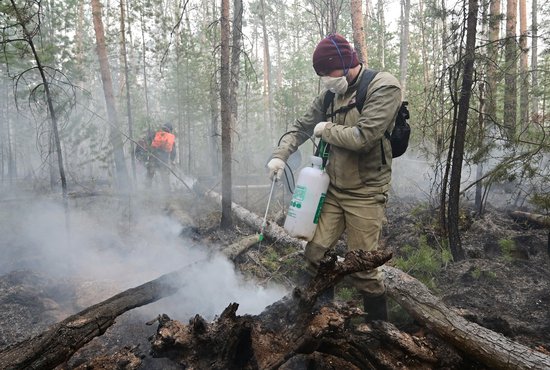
{"x": 276, "y": 167}
{"x": 319, "y": 128}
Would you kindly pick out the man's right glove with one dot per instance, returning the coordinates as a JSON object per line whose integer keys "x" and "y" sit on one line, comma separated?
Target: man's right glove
{"x": 276, "y": 167}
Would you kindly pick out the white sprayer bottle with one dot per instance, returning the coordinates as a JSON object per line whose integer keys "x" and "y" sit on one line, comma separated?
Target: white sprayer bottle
{"x": 307, "y": 200}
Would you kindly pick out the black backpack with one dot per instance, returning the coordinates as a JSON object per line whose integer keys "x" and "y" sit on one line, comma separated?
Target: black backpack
{"x": 399, "y": 137}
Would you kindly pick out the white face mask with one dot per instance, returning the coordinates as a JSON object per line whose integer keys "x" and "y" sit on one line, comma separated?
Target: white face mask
{"x": 338, "y": 85}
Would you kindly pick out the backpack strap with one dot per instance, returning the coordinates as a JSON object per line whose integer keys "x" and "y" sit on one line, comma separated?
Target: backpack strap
{"x": 366, "y": 79}
{"x": 328, "y": 102}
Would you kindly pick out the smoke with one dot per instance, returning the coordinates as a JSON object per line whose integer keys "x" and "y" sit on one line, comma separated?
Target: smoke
{"x": 117, "y": 244}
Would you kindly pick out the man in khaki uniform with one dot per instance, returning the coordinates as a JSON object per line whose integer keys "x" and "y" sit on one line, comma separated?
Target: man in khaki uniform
{"x": 359, "y": 163}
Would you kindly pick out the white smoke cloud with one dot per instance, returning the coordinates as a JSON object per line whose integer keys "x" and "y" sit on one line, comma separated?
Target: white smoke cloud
{"x": 106, "y": 247}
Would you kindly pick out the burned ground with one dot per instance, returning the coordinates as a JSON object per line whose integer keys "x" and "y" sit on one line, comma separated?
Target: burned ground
{"x": 504, "y": 284}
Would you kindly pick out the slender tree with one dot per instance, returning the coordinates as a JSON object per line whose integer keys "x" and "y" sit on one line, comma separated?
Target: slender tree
{"x": 493, "y": 78}
{"x": 268, "y": 78}
{"x": 404, "y": 52}
{"x": 127, "y": 84}
{"x": 510, "y": 77}
{"x": 534, "y": 58}
{"x": 358, "y": 30}
{"x": 460, "y": 136}
{"x": 112, "y": 115}
{"x": 523, "y": 65}
{"x": 225, "y": 109}
{"x": 381, "y": 35}
{"x": 23, "y": 20}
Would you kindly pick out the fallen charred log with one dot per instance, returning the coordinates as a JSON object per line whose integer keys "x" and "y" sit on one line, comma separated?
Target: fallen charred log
{"x": 57, "y": 344}
{"x": 289, "y": 332}
{"x": 491, "y": 348}
{"x": 292, "y": 334}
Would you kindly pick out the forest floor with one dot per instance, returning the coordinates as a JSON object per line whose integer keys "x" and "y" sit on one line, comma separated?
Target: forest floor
{"x": 504, "y": 283}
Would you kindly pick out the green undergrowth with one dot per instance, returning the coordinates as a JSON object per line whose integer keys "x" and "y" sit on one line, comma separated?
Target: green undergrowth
{"x": 423, "y": 261}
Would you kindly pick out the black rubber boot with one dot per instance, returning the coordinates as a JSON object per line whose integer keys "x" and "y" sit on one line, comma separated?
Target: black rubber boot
{"x": 376, "y": 307}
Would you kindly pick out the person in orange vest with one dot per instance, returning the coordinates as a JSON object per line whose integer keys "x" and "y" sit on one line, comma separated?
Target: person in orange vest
{"x": 163, "y": 154}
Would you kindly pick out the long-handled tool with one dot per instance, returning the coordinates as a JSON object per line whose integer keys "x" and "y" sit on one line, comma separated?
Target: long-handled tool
{"x": 264, "y": 223}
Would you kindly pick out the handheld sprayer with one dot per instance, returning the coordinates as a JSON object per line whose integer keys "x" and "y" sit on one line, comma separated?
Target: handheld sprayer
{"x": 309, "y": 196}
{"x": 264, "y": 222}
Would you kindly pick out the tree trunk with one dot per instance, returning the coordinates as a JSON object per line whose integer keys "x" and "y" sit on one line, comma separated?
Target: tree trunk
{"x": 127, "y": 86}
{"x": 510, "y": 70}
{"x": 237, "y": 32}
{"x": 404, "y": 50}
{"x": 534, "y": 59}
{"x": 271, "y": 230}
{"x": 533, "y": 219}
{"x": 523, "y": 67}
{"x": 460, "y": 136}
{"x": 49, "y": 100}
{"x": 225, "y": 108}
{"x": 493, "y": 349}
{"x": 358, "y": 31}
{"x": 493, "y": 48}
{"x": 112, "y": 115}
{"x": 268, "y": 107}
{"x": 58, "y": 343}
{"x": 381, "y": 34}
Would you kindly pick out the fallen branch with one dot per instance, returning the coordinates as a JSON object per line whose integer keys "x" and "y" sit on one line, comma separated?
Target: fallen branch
{"x": 271, "y": 230}
{"x": 491, "y": 348}
{"x": 542, "y": 221}
{"x": 58, "y": 343}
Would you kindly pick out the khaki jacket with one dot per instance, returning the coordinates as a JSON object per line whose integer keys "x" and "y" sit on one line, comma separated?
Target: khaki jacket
{"x": 360, "y": 155}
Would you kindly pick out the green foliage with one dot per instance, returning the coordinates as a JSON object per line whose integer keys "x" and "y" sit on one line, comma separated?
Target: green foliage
{"x": 347, "y": 294}
{"x": 541, "y": 201}
{"x": 423, "y": 261}
{"x": 271, "y": 260}
{"x": 507, "y": 247}
{"x": 477, "y": 273}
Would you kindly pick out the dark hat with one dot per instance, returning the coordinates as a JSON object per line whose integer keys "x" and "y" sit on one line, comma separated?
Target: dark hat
{"x": 334, "y": 52}
{"x": 167, "y": 127}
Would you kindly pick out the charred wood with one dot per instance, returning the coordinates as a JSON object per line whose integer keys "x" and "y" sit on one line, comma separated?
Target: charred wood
{"x": 57, "y": 344}
{"x": 292, "y": 333}
{"x": 490, "y": 348}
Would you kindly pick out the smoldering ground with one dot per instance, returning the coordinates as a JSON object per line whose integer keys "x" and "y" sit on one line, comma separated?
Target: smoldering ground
{"x": 106, "y": 245}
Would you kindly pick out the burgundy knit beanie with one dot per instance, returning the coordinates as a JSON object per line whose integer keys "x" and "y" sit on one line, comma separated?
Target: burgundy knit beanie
{"x": 334, "y": 52}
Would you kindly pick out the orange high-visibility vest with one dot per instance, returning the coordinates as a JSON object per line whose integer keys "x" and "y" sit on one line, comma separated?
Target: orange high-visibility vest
{"x": 163, "y": 141}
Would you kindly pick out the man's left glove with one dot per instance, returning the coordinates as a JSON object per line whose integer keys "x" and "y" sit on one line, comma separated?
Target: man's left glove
{"x": 319, "y": 128}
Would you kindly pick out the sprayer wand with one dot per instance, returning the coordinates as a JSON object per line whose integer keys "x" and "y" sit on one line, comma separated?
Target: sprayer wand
{"x": 264, "y": 223}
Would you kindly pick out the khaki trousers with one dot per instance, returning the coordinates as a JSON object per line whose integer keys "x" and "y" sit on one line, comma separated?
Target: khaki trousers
{"x": 362, "y": 217}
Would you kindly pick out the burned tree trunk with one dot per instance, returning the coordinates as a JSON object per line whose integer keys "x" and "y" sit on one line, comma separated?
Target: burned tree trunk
{"x": 57, "y": 344}
{"x": 289, "y": 332}
{"x": 493, "y": 349}
{"x": 533, "y": 219}
{"x": 294, "y": 332}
